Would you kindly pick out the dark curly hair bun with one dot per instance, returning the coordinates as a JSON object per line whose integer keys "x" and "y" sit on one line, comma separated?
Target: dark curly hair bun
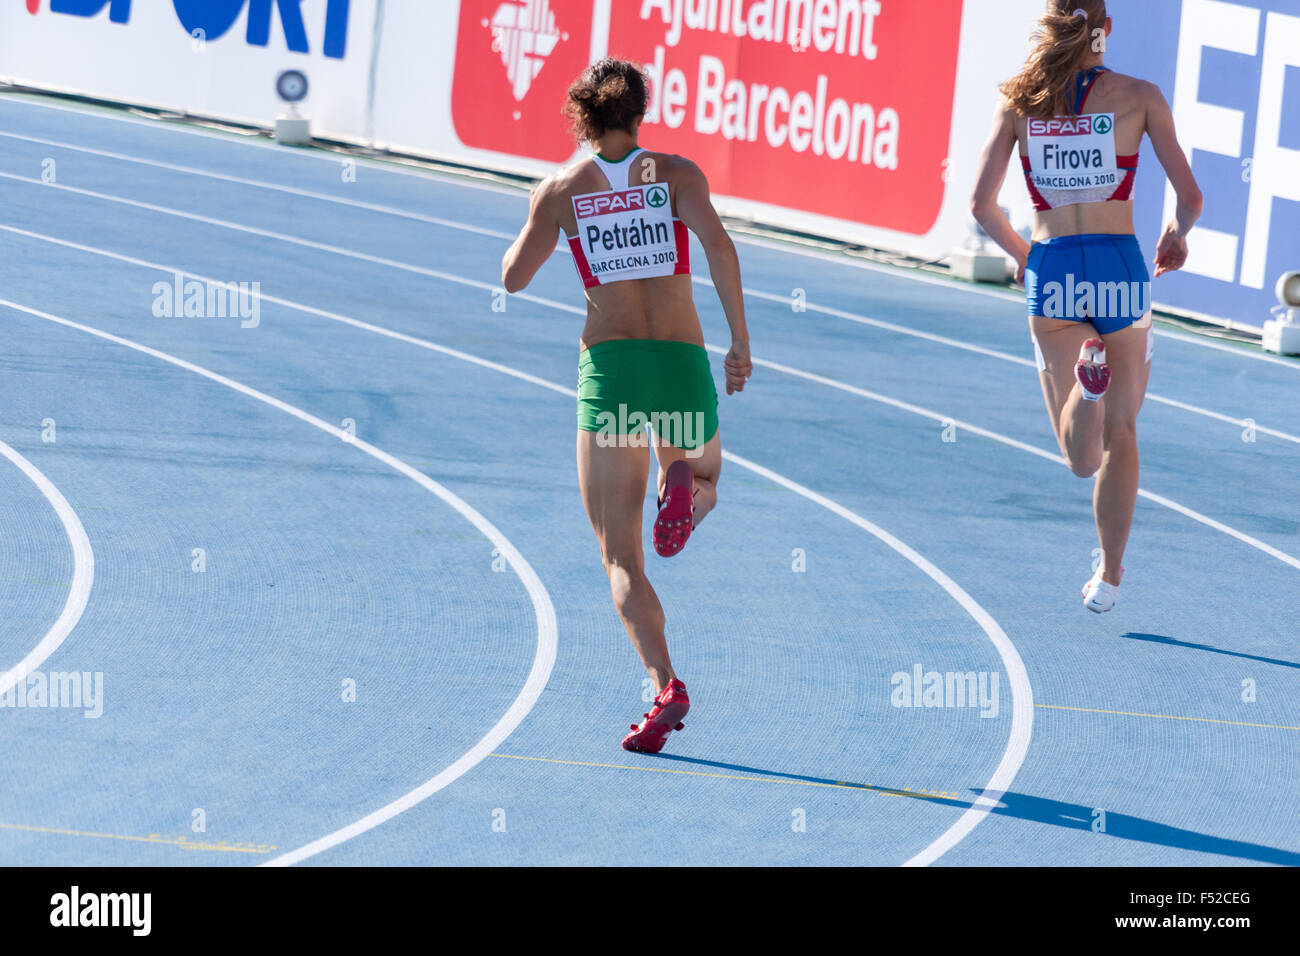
{"x": 609, "y": 95}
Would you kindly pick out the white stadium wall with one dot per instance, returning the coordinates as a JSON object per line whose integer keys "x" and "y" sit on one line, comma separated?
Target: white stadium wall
{"x": 209, "y": 58}
{"x": 862, "y": 122}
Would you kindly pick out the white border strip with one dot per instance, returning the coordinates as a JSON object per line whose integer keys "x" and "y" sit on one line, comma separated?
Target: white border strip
{"x": 83, "y": 573}
{"x": 547, "y": 629}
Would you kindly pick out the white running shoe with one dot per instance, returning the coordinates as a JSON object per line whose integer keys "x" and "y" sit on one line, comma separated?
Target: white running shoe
{"x": 1098, "y": 596}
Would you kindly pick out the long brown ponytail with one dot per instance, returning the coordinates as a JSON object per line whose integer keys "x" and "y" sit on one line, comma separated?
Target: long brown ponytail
{"x": 1045, "y": 86}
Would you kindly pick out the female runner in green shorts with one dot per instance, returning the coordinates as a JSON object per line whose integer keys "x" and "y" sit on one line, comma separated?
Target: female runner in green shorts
{"x": 625, "y": 213}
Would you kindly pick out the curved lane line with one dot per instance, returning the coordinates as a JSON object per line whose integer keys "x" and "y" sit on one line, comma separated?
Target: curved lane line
{"x": 83, "y": 573}
{"x": 547, "y": 630}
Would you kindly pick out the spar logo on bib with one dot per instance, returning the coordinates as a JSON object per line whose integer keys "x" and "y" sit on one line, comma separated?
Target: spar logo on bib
{"x": 1070, "y": 125}
{"x": 627, "y": 234}
{"x": 602, "y": 204}
{"x": 515, "y": 60}
{"x": 1072, "y": 158}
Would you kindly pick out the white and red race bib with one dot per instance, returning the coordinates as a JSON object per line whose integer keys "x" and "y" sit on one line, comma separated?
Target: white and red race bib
{"x": 1072, "y": 158}
{"x": 628, "y": 234}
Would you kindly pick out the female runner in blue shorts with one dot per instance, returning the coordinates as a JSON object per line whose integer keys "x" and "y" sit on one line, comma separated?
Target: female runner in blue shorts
{"x": 1079, "y": 127}
{"x": 625, "y": 212}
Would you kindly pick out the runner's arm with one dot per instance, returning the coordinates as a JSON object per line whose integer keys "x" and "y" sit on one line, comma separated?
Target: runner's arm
{"x": 988, "y": 184}
{"x": 535, "y": 243}
{"x": 697, "y": 212}
{"x": 1172, "y": 250}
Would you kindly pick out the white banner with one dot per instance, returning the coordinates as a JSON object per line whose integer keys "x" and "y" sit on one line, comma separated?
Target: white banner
{"x": 200, "y": 57}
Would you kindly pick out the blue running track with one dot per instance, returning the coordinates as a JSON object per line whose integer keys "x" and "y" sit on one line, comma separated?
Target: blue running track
{"x": 330, "y": 559}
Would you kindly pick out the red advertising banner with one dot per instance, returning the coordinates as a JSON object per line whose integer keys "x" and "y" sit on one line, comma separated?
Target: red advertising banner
{"x": 515, "y": 60}
{"x": 837, "y": 107}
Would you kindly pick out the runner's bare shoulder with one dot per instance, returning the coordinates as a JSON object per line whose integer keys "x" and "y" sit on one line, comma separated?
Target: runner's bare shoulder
{"x": 1147, "y": 92}
{"x": 681, "y": 171}
{"x": 566, "y": 180}
{"x": 1122, "y": 85}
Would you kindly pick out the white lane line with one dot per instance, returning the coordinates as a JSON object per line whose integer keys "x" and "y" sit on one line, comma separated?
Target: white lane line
{"x": 1022, "y": 695}
{"x": 936, "y": 281}
{"x": 1005, "y": 295}
{"x": 1220, "y": 526}
{"x": 297, "y": 306}
{"x": 547, "y": 630}
{"x": 785, "y": 369}
{"x": 445, "y": 179}
{"x": 248, "y": 230}
{"x": 1013, "y": 443}
{"x": 1013, "y": 755}
{"x": 83, "y": 573}
{"x": 1231, "y": 350}
{"x": 269, "y": 234}
{"x": 900, "y": 405}
{"x": 259, "y": 184}
{"x": 394, "y": 164}
{"x": 452, "y": 224}
{"x": 1005, "y": 357}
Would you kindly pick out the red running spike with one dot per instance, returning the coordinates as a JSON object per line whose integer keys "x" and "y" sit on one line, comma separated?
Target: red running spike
{"x": 665, "y": 717}
{"x": 676, "y": 519}
{"x": 1091, "y": 369}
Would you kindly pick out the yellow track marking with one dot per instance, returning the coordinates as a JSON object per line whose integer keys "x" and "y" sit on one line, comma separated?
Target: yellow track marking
{"x": 845, "y": 785}
{"x": 1200, "y": 720}
{"x": 841, "y": 784}
{"x": 183, "y": 842}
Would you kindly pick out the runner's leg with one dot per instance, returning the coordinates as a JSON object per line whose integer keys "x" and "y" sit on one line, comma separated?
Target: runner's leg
{"x": 613, "y": 481}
